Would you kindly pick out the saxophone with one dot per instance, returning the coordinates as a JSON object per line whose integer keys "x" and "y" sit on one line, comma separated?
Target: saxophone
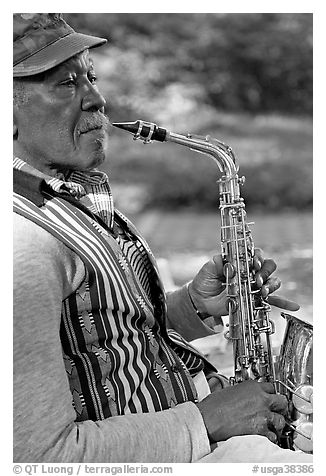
{"x": 250, "y": 327}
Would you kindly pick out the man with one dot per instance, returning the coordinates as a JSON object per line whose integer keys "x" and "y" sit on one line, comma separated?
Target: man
{"x": 97, "y": 375}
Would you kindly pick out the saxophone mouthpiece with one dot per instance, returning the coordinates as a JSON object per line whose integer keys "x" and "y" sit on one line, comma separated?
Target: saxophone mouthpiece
{"x": 148, "y": 131}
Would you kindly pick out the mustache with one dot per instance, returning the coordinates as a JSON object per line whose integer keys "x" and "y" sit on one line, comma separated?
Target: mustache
{"x": 93, "y": 121}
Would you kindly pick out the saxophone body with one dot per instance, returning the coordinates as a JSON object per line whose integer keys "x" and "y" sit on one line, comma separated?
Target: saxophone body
{"x": 249, "y": 326}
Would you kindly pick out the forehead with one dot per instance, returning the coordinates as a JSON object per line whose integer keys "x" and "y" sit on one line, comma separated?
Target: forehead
{"x": 79, "y": 64}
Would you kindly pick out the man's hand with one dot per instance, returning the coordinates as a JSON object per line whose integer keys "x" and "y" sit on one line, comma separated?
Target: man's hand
{"x": 208, "y": 293}
{"x": 248, "y": 408}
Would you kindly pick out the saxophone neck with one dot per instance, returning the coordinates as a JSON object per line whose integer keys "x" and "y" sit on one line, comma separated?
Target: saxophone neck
{"x": 221, "y": 153}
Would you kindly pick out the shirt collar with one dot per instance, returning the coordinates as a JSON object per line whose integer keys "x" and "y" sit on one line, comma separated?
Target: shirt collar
{"x": 90, "y": 188}
{"x": 76, "y": 183}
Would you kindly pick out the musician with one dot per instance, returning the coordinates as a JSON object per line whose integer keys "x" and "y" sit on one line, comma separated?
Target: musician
{"x": 103, "y": 371}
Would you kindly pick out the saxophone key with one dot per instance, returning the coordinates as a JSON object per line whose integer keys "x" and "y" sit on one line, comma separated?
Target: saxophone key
{"x": 303, "y": 399}
{"x": 303, "y": 436}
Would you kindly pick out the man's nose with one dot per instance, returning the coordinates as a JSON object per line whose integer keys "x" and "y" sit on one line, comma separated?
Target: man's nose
{"x": 93, "y": 100}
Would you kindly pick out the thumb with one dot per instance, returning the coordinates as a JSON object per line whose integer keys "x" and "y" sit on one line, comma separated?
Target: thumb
{"x": 217, "y": 305}
{"x": 218, "y": 261}
{"x": 208, "y": 280}
{"x": 282, "y": 303}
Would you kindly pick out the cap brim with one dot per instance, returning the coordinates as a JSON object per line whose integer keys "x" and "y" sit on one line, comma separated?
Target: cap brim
{"x": 57, "y": 53}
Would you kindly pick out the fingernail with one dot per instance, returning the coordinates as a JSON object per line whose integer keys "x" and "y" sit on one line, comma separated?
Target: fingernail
{"x": 257, "y": 263}
{"x": 259, "y": 281}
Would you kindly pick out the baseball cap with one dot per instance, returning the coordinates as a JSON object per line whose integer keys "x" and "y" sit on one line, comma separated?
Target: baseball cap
{"x": 44, "y": 40}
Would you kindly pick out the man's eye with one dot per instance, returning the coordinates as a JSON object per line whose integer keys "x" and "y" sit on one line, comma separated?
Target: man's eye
{"x": 68, "y": 82}
{"x": 92, "y": 79}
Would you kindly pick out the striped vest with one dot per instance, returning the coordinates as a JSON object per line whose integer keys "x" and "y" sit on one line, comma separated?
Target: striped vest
{"x": 117, "y": 353}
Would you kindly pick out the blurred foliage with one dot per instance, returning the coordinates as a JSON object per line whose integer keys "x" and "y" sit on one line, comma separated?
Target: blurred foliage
{"x": 274, "y": 153}
{"x": 243, "y": 78}
{"x": 245, "y": 61}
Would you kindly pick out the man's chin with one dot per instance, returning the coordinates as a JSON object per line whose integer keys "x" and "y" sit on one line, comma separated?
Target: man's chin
{"x": 89, "y": 162}
{"x": 94, "y": 152}
{"x": 95, "y": 160}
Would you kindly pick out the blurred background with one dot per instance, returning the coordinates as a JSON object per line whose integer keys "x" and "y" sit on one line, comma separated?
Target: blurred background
{"x": 245, "y": 79}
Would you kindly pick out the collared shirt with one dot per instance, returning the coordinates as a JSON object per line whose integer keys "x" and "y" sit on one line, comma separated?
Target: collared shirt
{"x": 93, "y": 190}
{"x": 93, "y": 193}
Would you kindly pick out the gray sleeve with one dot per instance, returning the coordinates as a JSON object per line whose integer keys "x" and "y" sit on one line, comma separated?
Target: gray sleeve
{"x": 44, "y": 419}
{"x": 183, "y": 318}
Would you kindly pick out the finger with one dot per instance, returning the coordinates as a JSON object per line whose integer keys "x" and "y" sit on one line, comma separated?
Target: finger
{"x": 258, "y": 259}
{"x": 283, "y": 303}
{"x": 268, "y": 267}
{"x": 218, "y": 261}
{"x": 272, "y": 437}
{"x": 276, "y": 422}
{"x": 278, "y": 403}
{"x": 267, "y": 387}
{"x": 270, "y": 286}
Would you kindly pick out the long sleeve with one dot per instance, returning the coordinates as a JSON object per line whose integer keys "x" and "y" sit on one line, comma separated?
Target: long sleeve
{"x": 183, "y": 318}
{"x": 45, "y": 271}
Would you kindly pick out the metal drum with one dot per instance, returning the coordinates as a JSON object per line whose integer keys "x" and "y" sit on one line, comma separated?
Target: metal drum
{"x": 295, "y": 379}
